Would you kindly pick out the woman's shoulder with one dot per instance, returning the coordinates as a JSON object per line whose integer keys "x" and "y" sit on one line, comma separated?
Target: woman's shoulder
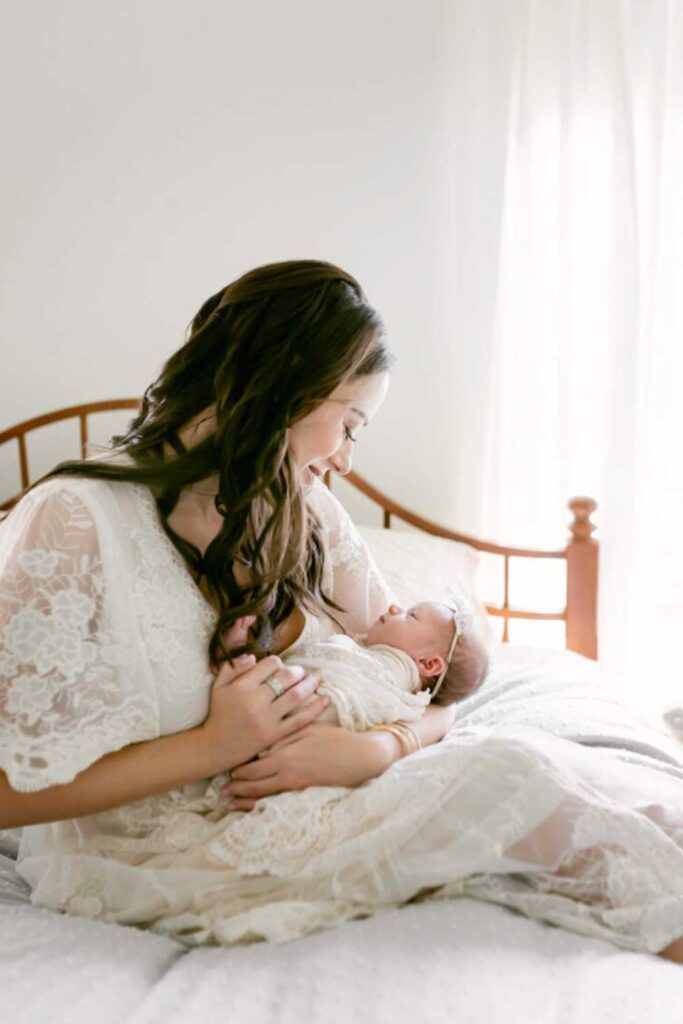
{"x": 86, "y": 488}
{"x": 65, "y": 503}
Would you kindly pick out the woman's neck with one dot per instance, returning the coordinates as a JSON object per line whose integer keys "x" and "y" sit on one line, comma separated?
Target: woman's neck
{"x": 195, "y": 516}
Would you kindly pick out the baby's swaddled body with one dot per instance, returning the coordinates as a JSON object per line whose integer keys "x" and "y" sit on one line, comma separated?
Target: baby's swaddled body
{"x": 367, "y": 685}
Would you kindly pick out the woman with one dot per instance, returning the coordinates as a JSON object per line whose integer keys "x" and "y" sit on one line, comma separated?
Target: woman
{"x": 121, "y": 579}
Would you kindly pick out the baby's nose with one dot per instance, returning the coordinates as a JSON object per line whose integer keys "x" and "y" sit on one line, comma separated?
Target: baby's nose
{"x": 395, "y": 609}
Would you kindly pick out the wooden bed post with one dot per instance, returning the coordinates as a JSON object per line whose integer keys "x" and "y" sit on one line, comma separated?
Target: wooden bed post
{"x": 582, "y": 580}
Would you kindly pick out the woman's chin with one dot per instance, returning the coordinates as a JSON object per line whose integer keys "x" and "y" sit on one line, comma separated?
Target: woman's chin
{"x": 308, "y": 477}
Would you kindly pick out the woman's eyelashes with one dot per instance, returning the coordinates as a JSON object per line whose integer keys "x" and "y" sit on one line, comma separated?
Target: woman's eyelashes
{"x": 348, "y": 436}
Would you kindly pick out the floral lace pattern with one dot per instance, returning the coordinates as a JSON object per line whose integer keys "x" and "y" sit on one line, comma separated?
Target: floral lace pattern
{"x": 85, "y": 628}
{"x": 60, "y": 651}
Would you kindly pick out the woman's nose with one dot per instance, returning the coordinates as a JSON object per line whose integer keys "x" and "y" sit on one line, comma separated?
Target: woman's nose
{"x": 342, "y": 459}
{"x": 341, "y": 462}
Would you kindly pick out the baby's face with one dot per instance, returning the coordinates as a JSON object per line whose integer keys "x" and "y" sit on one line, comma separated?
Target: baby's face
{"x": 422, "y": 631}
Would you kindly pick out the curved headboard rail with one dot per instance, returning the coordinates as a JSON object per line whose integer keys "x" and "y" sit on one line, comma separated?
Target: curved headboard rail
{"x": 81, "y": 412}
{"x": 580, "y": 553}
{"x": 580, "y": 613}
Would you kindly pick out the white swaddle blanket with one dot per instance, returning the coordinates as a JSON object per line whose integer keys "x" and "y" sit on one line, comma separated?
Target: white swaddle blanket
{"x": 367, "y": 685}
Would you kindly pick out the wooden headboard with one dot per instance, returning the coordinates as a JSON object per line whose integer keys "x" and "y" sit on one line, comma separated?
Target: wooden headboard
{"x": 580, "y": 613}
{"x": 580, "y": 554}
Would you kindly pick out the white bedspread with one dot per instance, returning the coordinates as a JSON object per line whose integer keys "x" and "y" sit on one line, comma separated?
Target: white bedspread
{"x": 461, "y": 961}
{"x": 529, "y": 686}
{"x": 457, "y": 960}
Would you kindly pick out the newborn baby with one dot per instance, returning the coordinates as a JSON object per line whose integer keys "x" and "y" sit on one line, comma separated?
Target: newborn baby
{"x": 408, "y": 657}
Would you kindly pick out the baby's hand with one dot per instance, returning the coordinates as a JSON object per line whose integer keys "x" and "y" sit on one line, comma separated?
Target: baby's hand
{"x": 237, "y": 634}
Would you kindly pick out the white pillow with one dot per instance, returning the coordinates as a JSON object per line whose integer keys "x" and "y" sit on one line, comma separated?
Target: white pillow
{"x": 418, "y": 567}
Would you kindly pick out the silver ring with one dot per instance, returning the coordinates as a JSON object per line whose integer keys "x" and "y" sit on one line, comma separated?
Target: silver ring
{"x": 275, "y": 685}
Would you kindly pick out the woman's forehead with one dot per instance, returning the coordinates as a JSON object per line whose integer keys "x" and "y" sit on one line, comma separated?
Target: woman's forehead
{"x": 365, "y": 394}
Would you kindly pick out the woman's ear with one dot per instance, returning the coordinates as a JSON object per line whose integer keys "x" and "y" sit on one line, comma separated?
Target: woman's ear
{"x": 431, "y": 665}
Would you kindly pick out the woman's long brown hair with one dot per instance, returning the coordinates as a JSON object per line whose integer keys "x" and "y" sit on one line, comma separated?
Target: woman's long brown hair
{"x": 265, "y": 350}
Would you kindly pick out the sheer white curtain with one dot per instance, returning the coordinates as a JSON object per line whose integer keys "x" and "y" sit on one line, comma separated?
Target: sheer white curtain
{"x": 578, "y": 388}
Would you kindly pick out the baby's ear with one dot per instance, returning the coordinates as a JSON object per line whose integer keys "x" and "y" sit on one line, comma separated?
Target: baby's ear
{"x": 431, "y": 665}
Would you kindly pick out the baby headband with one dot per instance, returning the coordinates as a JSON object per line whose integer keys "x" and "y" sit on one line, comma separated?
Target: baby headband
{"x": 465, "y": 620}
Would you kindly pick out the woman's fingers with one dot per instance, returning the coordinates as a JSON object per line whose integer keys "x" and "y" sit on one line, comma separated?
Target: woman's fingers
{"x": 291, "y": 738}
{"x": 306, "y": 714}
{"x": 251, "y": 790}
{"x": 228, "y": 673}
{"x": 242, "y": 805}
{"x": 251, "y": 772}
{"x": 293, "y": 698}
{"x": 245, "y": 671}
{"x": 287, "y": 675}
{"x": 246, "y": 666}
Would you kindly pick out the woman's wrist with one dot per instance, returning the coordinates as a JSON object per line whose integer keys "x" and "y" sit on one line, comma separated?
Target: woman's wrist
{"x": 206, "y": 756}
{"x": 430, "y": 728}
{"x": 386, "y": 748}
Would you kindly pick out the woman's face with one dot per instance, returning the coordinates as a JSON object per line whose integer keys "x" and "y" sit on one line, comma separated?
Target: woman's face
{"x": 324, "y": 438}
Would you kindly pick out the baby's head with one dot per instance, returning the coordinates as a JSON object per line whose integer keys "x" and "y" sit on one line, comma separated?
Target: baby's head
{"x": 426, "y": 632}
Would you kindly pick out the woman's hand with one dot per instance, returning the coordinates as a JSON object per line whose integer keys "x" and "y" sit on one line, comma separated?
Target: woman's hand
{"x": 319, "y": 755}
{"x": 245, "y": 717}
{"x": 327, "y": 755}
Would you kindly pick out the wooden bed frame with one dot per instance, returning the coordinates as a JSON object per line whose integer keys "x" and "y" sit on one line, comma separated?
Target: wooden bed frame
{"x": 580, "y": 553}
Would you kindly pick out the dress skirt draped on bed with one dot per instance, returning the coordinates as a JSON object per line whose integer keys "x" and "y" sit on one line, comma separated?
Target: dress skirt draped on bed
{"x": 546, "y": 796}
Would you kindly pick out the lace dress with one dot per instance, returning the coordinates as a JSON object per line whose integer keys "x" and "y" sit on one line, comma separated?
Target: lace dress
{"x": 104, "y": 640}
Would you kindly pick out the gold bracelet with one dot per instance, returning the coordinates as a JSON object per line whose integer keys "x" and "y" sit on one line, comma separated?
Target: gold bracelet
{"x": 418, "y": 741}
{"x": 408, "y": 739}
{"x": 397, "y": 734}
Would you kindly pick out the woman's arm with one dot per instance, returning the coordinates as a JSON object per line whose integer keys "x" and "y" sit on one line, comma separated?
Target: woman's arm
{"x": 243, "y": 719}
{"x": 137, "y": 771}
{"x": 326, "y": 755}
{"x": 79, "y": 719}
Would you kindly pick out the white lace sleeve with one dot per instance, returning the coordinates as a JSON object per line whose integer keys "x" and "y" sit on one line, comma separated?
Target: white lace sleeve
{"x": 356, "y": 582}
{"x": 68, "y": 692}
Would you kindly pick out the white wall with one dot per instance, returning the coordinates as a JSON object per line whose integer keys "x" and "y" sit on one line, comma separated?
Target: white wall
{"x": 154, "y": 151}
